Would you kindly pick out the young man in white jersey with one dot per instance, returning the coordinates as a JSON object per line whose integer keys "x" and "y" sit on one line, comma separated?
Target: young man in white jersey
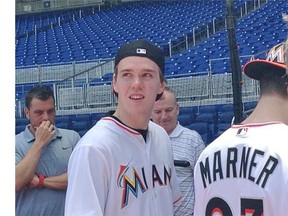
{"x": 245, "y": 170}
{"x": 186, "y": 145}
{"x": 124, "y": 164}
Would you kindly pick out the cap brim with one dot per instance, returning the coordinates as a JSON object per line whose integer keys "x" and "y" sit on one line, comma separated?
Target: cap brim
{"x": 256, "y": 68}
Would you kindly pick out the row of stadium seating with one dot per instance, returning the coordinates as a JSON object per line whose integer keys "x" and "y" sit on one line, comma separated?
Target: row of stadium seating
{"x": 99, "y": 35}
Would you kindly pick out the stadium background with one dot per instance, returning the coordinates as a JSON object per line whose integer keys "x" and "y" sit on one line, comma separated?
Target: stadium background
{"x": 70, "y": 45}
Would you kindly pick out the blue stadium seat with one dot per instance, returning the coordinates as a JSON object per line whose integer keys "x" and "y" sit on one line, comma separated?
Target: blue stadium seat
{"x": 64, "y": 125}
{"x": 187, "y": 110}
{"x": 19, "y": 128}
{"x": 108, "y": 76}
{"x": 22, "y": 121}
{"x": 225, "y": 117}
{"x": 208, "y": 109}
{"x": 63, "y": 119}
{"x": 221, "y": 127}
{"x": 211, "y": 119}
{"x": 203, "y": 129}
{"x": 80, "y": 126}
{"x": 250, "y": 105}
{"x": 95, "y": 117}
{"x": 225, "y": 108}
{"x": 185, "y": 119}
{"x": 83, "y": 118}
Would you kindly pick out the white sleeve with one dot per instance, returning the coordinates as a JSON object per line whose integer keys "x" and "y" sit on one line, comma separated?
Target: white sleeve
{"x": 87, "y": 183}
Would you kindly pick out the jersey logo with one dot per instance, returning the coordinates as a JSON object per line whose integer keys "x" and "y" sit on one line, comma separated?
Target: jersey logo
{"x": 135, "y": 182}
{"x": 242, "y": 132}
{"x": 141, "y": 51}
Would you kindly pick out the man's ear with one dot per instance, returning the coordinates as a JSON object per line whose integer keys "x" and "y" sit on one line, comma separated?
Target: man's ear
{"x": 178, "y": 109}
{"x": 114, "y": 86}
{"x": 163, "y": 85}
{"x": 162, "y": 88}
{"x": 26, "y": 111}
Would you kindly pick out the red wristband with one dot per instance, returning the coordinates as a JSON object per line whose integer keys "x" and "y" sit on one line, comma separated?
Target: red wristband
{"x": 41, "y": 180}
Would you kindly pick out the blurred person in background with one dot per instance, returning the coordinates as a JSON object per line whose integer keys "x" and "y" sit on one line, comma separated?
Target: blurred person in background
{"x": 42, "y": 152}
{"x": 186, "y": 145}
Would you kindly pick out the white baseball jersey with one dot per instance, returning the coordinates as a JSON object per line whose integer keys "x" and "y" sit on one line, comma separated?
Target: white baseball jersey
{"x": 113, "y": 171}
{"x": 244, "y": 172}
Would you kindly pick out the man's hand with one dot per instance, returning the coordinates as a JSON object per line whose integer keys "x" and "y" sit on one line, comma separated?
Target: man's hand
{"x": 44, "y": 133}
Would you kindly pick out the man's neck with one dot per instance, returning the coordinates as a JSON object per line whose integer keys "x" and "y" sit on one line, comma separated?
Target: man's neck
{"x": 269, "y": 108}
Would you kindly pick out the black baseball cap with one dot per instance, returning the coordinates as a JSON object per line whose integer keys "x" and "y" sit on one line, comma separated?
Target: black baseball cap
{"x": 142, "y": 48}
{"x": 274, "y": 62}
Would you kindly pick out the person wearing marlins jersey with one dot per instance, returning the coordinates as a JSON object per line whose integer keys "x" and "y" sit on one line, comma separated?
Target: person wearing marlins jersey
{"x": 124, "y": 164}
{"x": 245, "y": 170}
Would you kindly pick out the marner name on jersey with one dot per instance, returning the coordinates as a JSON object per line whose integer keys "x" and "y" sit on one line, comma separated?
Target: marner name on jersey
{"x": 241, "y": 162}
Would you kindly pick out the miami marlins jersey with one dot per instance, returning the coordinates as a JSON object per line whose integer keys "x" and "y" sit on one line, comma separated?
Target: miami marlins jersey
{"x": 113, "y": 171}
{"x": 244, "y": 172}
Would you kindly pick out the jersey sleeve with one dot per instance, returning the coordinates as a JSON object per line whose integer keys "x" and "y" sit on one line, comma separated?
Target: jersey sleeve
{"x": 84, "y": 195}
